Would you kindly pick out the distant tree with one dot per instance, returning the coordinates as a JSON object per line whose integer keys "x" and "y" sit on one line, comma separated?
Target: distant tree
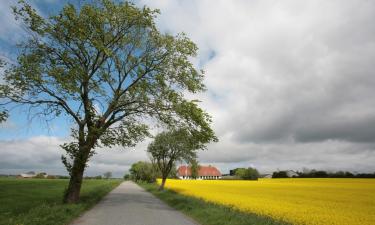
{"x": 127, "y": 176}
{"x": 233, "y": 171}
{"x": 107, "y": 68}
{"x": 41, "y": 175}
{"x": 280, "y": 174}
{"x": 143, "y": 171}
{"x": 175, "y": 145}
{"x": 107, "y": 175}
{"x": 247, "y": 174}
{"x": 99, "y": 177}
{"x": 194, "y": 166}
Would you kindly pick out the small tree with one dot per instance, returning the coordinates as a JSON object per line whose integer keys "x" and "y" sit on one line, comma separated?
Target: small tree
{"x": 127, "y": 176}
{"x": 143, "y": 171}
{"x": 176, "y": 145}
{"x": 107, "y": 175}
{"x": 107, "y": 69}
{"x": 194, "y": 168}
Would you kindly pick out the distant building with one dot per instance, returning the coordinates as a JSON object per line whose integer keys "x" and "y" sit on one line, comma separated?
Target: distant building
{"x": 291, "y": 173}
{"x": 30, "y": 174}
{"x": 266, "y": 176}
{"x": 204, "y": 173}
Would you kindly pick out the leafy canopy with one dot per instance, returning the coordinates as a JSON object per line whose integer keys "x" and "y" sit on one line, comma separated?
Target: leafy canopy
{"x": 176, "y": 145}
{"x": 108, "y": 68}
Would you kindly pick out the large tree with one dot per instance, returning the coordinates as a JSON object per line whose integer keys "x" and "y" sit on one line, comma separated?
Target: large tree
{"x": 105, "y": 66}
{"x": 176, "y": 145}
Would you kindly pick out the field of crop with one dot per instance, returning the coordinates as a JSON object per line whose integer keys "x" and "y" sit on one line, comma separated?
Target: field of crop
{"x": 298, "y": 201}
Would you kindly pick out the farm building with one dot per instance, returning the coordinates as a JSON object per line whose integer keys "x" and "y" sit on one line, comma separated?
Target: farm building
{"x": 204, "y": 173}
{"x": 291, "y": 173}
{"x": 30, "y": 174}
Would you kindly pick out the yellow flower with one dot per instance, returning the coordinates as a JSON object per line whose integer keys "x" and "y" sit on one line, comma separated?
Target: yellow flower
{"x": 299, "y": 201}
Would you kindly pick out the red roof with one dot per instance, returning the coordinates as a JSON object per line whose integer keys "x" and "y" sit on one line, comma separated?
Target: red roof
{"x": 203, "y": 171}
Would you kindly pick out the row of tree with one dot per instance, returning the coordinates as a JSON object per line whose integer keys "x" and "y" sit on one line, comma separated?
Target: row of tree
{"x": 322, "y": 174}
{"x": 147, "y": 172}
{"x": 244, "y": 173}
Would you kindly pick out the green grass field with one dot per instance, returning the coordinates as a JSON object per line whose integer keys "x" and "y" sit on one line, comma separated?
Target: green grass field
{"x": 208, "y": 213}
{"x": 39, "y": 201}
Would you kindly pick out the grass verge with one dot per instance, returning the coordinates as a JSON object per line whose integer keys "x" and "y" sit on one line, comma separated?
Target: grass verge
{"x": 207, "y": 213}
{"x": 39, "y": 201}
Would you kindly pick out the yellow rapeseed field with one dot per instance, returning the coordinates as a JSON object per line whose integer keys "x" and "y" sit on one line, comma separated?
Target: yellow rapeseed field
{"x": 299, "y": 201}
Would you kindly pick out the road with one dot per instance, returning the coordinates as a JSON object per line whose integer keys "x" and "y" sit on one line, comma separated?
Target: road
{"x": 129, "y": 204}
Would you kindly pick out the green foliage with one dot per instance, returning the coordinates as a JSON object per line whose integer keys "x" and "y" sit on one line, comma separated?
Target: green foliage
{"x": 207, "y": 213}
{"x": 247, "y": 174}
{"x": 280, "y": 174}
{"x": 194, "y": 168}
{"x": 41, "y": 175}
{"x": 127, "y": 177}
{"x": 143, "y": 172}
{"x": 3, "y": 116}
{"x": 106, "y": 66}
{"x": 175, "y": 145}
{"x": 3, "y": 112}
{"x": 38, "y": 201}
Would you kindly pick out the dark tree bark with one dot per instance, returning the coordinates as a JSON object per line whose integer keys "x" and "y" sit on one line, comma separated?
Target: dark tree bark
{"x": 73, "y": 191}
{"x": 164, "y": 179}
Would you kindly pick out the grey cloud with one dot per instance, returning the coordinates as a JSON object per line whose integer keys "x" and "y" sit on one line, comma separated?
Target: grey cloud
{"x": 327, "y": 155}
{"x": 286, "y": 76}
{"x": 290, "y": 85}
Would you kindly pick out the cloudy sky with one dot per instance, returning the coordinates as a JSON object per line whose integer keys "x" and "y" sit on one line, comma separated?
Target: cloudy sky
{"x": 291, "y": 85}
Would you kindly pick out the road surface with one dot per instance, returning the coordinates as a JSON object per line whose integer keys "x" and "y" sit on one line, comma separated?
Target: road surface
{"x": 129, "y": 204}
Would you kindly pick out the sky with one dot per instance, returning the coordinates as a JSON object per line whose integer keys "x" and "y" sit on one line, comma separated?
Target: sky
{"x": 290, "y": 85}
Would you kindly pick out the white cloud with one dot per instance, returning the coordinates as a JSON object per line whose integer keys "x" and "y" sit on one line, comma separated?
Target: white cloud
{"x": 10, "y": 29}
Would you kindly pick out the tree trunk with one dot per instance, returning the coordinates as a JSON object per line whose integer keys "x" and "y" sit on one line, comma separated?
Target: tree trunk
{"x": 162, "y": 183}
{"x": 73, "y": 191}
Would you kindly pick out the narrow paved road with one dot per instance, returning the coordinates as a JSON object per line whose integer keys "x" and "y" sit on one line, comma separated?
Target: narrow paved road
{"x": 129, "y": 204}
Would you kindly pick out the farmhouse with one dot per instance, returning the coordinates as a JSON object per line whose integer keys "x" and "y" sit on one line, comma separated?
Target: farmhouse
{"x": 204, "y": 173}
